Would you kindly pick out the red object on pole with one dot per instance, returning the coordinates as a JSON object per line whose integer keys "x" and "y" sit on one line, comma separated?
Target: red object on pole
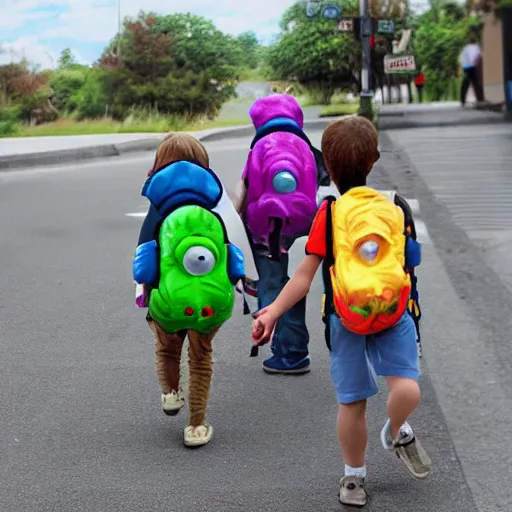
{"x": 372, "y": 42}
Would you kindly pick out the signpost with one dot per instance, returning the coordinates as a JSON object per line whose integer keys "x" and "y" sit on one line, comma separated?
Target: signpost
{"x": 346, "y": 25}
{"x": 386, "y": 27}
{"x": 364, "y": 28}
{"x": 404, "y": 64}
{"x": 332, "y": 12}
{"x": 313, "y": 9}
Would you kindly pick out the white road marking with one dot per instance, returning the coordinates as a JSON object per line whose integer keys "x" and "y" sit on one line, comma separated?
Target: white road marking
{"x": 421, "y": 228}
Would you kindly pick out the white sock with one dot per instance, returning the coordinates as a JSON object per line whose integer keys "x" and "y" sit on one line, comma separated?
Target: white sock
{"x": 359, "y": 472}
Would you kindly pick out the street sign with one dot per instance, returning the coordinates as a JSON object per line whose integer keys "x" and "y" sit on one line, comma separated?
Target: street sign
{"x": 313, "y": 9}
{"x": 399, "y": 65}
{"x": 386, "y": 27}
{"x": 332, "y": 12}
{"x": 346, "y": 25}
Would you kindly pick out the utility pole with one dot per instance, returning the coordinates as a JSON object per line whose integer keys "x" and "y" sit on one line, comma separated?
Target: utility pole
{"x": 118, "y": 31}
{"x": 365, "y": 99}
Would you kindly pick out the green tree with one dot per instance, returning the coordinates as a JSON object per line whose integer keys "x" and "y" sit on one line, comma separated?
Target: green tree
{"x": 178, "y": 64}
{"x": 315, "y": 54}
{"x": 439, "y": 36}
{"x": 67, "y": 59}
{"x": 250, "y": 49}
{"x": 65, "y": 84}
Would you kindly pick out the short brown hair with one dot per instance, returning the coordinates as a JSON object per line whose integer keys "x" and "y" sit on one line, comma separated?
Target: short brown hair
{"x": 179, "y": 146}
{"x": 350, "y": 148}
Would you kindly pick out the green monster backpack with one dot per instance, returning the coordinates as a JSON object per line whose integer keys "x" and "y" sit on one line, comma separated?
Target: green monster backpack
{"x": 190, "y": 267}
{"x": 194, "y": 291}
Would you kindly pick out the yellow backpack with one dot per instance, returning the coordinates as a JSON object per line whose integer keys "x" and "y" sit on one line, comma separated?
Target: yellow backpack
{"x": 369, "y": 283}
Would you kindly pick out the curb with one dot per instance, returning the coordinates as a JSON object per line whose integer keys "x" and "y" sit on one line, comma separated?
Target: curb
{"x": 405, "y": 124}
{"x": 46, "y": 158}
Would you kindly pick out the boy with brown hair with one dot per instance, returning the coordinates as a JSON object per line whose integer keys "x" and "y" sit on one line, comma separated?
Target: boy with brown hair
{"x": 362, "y": 341}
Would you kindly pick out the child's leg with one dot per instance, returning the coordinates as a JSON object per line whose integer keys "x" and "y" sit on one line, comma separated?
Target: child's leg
{"x": 290, "y": 341}
{"x": 168, "y": 348}
{"x": 201, "y": 367}
{"x": 404, "y": 397}
{"x": 354, "y": 384}
{"x": 394, "y": 354}
{"x": 353, "y": 433}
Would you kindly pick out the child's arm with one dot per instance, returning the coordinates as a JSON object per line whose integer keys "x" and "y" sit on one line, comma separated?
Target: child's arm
{"x": 149, "y": 228}
{"x": 145, "y": 261}
{"x": 296, "y": 288}
{"x": 239, "y": 197}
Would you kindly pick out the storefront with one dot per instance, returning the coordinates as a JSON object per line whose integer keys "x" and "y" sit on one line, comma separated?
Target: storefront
{"x": 497, "y": 56}
{"x": 492, "y": 49}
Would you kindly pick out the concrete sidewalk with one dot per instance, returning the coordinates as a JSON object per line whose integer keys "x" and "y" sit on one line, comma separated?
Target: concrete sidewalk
{"x": 461, "y": 176}
{"x": 405, "y": 116}
{"x": 25, "y": 152}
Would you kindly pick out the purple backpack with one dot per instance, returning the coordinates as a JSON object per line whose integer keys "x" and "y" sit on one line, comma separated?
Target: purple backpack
{"x": 280, "y": 175}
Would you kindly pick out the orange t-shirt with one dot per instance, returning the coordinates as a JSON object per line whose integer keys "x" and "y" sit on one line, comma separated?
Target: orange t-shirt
{"x": 317, "y": 243}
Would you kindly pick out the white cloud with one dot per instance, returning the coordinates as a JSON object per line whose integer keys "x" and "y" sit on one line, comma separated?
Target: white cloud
{"x": 34, "y": 52}
{"x": 95, "y": 21}
{"x": 27, "y": 48}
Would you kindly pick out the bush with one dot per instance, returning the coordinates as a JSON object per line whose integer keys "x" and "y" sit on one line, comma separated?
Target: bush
{"x": 9, "y": 122}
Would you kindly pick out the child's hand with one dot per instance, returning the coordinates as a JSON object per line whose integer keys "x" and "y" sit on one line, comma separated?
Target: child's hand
{"x": 141, "y": 297}
{"x": 263, "y": 325}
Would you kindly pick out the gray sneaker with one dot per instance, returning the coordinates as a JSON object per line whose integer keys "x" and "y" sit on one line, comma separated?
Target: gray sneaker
{"x": 408, "y": 448}
{"x": 352, "y": 492}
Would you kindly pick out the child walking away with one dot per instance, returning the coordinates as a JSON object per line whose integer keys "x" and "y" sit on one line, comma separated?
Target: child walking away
{"x": 277, "y": 200}
{"x": 419, "y": 82}
{"x": 186, "y": 267}
{"x": 367, "y": 256}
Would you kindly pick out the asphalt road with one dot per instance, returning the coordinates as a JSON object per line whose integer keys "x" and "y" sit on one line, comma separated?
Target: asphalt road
{"x": 81, "y": 425}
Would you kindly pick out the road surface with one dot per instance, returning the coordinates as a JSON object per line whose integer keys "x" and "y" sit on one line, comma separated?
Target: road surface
{"x": 81, "y": 424}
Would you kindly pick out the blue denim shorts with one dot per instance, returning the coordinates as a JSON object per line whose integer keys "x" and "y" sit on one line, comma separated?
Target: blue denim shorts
{"x": 357, "y": 359}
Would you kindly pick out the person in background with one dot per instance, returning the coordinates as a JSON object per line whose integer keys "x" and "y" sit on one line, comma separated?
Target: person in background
{"x": 470, "y": 60}
{"x": 419, "y": 82}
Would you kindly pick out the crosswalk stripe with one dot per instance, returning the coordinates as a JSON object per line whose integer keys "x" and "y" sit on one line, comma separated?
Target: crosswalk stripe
{"x": 421, "y": 228}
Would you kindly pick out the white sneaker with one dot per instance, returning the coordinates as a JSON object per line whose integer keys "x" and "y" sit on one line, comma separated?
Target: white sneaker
{"x": 197, "y": 436}
{"x": 407, "y": 448}
{"x": 385, "y": 434}
{"x": 173, "y": 402}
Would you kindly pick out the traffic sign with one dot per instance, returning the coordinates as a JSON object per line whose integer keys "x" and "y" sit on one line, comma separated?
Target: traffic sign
{"x": 403, "y": 64}
{"x": 313, "y": 9}
{"x": 386, "y": 27}
{"x": 332, "y": 12}
{"x": 346, "y": 25}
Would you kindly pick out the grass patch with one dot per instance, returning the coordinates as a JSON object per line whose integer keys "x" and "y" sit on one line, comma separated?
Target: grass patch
{"x": 340, "y": 109}
{"x": 155, "y": 124}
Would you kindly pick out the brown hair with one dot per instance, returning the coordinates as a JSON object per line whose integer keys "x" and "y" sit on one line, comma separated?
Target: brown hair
{"x": 350, "y": 148}
{"x": 179, "y": 146}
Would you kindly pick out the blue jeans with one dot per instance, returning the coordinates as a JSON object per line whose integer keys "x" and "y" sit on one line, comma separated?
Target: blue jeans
{"x": 291, "y": 336}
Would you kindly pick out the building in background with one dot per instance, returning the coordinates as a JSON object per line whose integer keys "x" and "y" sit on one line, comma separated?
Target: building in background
{"x": 496, "y": 43}
{"x": 492, "y": 57}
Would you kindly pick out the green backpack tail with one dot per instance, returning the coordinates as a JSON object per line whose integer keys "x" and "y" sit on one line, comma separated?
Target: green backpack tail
{"x": 194, "y": 291}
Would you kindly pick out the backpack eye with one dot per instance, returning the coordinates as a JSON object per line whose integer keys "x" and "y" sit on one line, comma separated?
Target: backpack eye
{"x": 198, "y": 261}
{"x": 368, "y": 251}
{"x": 284, "y": 182}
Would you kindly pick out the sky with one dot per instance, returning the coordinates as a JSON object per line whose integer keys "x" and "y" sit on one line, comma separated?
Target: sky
{"x": 39, "y": 30}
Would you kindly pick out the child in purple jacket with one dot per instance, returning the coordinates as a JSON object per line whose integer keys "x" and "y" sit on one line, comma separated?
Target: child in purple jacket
{"x": 277, "y": 199}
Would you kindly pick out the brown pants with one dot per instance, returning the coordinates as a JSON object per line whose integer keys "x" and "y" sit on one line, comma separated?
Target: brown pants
{"x": 168, "y": 358}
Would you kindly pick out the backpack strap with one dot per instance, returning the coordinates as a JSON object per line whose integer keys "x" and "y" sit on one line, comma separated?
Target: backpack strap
{"x": 328, "y": 262}
{"x": 287, "y": 127}
{"x": 413, "y": 306}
